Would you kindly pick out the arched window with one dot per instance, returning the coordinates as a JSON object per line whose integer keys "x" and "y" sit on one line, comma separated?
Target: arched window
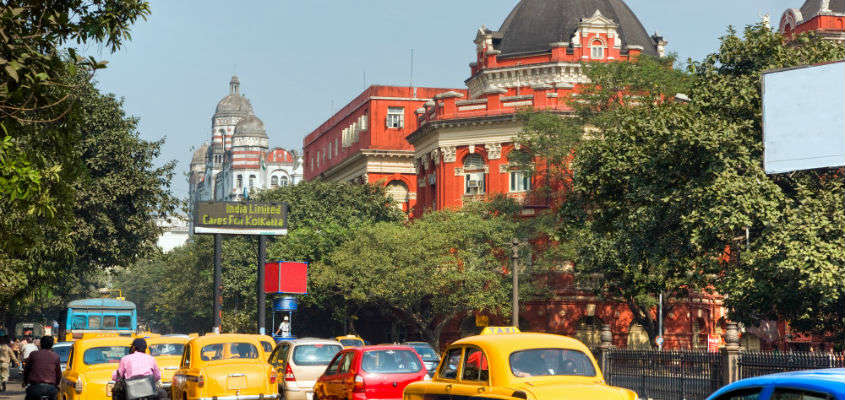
{"x": 283, "y": 181}
{"x": 240, "y": 181}
{"x": 638, "y": 338}
{"x": 398, "y": 191}
{"x": 474, "y": 175}
{"x": 274, "y": 181}
{"x": 588, "y": 331}
{"x": 597, "y": 50}
{"x": 251, "y": 181}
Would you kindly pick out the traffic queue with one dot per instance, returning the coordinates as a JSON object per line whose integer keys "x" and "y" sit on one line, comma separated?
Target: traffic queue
{"x": 500, "y": 363}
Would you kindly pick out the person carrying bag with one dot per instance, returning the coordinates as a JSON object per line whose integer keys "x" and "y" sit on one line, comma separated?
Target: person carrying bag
{"x": 137, "y": 376}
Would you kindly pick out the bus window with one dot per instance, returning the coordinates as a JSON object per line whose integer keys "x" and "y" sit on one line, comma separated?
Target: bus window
{"x": 93, "y": 322}
{"x": 124, "y": 321}
{"x": 78, "y": 322}
{"x": 109, "y": 321}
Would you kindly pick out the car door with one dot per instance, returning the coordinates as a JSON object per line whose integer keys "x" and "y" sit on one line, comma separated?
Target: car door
{"x": 474, "y": 379}
{"x": 326, "y": 385}
{"x": 447, "y": 376}
{"x": 344, "y": 381}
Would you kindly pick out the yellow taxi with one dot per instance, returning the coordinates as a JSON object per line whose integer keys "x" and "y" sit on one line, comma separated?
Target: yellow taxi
{"x": 503, "y": 363}
{"x": 350, "y": 341}
{"x": 91, "y": 364}
{"x": 224, "y": 367}
{"x": 167, "y": 351}
{"x": 267, "y": 345}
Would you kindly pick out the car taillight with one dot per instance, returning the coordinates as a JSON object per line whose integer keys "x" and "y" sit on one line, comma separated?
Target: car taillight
{"x": 359, "y": 384}
{"x": 273, "y": 376}
{"x": 289, "y": 377}
{"x": 79, "y": 385}
{"x": 200, "y": 380}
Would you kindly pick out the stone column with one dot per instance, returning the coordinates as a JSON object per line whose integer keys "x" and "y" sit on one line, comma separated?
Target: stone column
{"x": 730, "y": 354}
{"x": 605, "y": 348}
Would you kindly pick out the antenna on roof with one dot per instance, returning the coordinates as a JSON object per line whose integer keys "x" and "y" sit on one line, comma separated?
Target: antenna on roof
{"x": 411, "y": 83}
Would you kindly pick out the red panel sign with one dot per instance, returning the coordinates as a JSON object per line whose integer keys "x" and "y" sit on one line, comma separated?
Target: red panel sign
{"x": 286, "y": 277}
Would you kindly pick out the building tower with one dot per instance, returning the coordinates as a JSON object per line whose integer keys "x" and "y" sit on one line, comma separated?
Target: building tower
{"x": 825, "y": 17}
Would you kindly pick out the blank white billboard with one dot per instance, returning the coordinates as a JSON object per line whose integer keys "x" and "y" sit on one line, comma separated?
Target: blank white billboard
{"x": 804, "y": 118}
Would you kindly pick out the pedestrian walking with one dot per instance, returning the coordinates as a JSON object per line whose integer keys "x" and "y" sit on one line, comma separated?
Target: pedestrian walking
{"x": 42, "y": 372}
{"x": 28, "y": 348}
{"x": 16, "y": 347}
{"x": 7, "y": 356}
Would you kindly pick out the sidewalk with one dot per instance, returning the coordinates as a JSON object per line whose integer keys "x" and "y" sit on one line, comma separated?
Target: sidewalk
{"x": 14, "y": 391}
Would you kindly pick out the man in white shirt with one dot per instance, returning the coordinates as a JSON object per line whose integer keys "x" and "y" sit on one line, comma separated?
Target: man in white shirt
{"x": 28, "y": 348}
{"x": 284, "y": 327}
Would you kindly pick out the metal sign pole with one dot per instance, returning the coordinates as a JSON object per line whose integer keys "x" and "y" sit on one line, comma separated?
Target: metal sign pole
{"x": 514, "y": 261}
{"x": 262, "y": 256}
{"x": 218, "y": 282}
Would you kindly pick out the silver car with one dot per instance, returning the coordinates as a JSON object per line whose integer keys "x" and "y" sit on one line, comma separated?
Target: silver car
{"x": 299, "y": 363}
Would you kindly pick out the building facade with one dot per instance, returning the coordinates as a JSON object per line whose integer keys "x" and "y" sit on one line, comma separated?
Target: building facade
{"x": 824, "y": 17}
{"x": 239, "y": 160}
{"x": 365, "y": 142}
{"x": 459, "y": 143}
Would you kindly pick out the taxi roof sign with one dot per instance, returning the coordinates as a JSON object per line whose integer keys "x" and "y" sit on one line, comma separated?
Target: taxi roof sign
{"x": 498, "y": 330}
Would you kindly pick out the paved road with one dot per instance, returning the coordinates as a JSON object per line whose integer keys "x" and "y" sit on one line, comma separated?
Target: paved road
{"x": 13, "y": 392}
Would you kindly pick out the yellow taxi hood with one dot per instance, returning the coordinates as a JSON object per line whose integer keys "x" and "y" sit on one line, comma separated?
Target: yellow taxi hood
{"x": 545, "y": 389}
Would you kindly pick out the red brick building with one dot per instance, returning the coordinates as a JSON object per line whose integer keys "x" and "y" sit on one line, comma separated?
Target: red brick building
{"x": 825, "y": 17}
{"x": 365, "y": 141}
{"x": 453, "y": 146}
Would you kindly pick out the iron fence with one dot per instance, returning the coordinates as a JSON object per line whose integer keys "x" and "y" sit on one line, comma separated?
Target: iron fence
{"x": 756, "y": 363}
{"x": 665, "y": 375}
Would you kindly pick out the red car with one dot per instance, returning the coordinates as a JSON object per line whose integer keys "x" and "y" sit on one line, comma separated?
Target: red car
{"x": 370, "y": 372}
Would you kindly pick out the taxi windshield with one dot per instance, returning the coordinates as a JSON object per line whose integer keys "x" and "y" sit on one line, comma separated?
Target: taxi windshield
{"x": 166, "y": 349}
{"x": 390, "y": 362}
{"x": 104, "y": 355}
{"x": 227, "y": 351}
{"x": 352, "y": 342}
{"x": 551, "y": 362}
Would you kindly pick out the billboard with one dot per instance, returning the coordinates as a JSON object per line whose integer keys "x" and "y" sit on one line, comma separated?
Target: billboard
{"x": 286, "y": 277}
{"x": 240, "y": 218}
{"x": 804, "y": 118}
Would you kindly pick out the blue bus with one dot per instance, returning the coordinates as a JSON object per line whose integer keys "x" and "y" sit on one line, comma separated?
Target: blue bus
{"x": 97, "y": 316}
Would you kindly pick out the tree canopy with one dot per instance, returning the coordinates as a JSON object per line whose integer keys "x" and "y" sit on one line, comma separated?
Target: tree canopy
{"x": 437, "y": 268}
{"x": 39, "y": 104}
{"x": 661, "y": 186}
{"x": 116, "y": 202}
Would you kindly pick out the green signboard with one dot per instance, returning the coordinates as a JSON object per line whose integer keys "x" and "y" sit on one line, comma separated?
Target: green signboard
{"x": 241, "y": 218}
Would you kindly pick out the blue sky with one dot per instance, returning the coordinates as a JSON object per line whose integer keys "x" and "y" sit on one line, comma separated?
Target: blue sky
{"x": 298, "y": 61}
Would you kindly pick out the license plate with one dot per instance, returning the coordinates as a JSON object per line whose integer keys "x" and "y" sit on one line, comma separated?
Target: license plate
{"x": 309, "y": 395}
{"x": 109, "y": 389}
{"x": 236, "y": 382}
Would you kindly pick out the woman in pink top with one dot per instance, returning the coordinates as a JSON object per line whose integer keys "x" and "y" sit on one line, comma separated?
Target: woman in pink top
{"x": 137, "y": 363}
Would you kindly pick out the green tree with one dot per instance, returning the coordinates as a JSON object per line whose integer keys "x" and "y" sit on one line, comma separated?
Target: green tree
{"x": 322, "y": 216}
{"x": 437, "y": 268}
{"x": 116, "y": 202}
{"x": 661, "y": 187}
{"x": 38, "y": 165}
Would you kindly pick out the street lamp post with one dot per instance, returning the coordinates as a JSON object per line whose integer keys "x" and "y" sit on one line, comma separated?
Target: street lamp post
{"x": 514, "y": 266}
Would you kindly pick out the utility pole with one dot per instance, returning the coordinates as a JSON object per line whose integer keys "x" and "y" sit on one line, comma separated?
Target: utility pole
{"x": 514, "y": 267}
{"x": 660, "y": 324}
{"x": 218, "y": 283}
{"x": 262, "y": 257}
